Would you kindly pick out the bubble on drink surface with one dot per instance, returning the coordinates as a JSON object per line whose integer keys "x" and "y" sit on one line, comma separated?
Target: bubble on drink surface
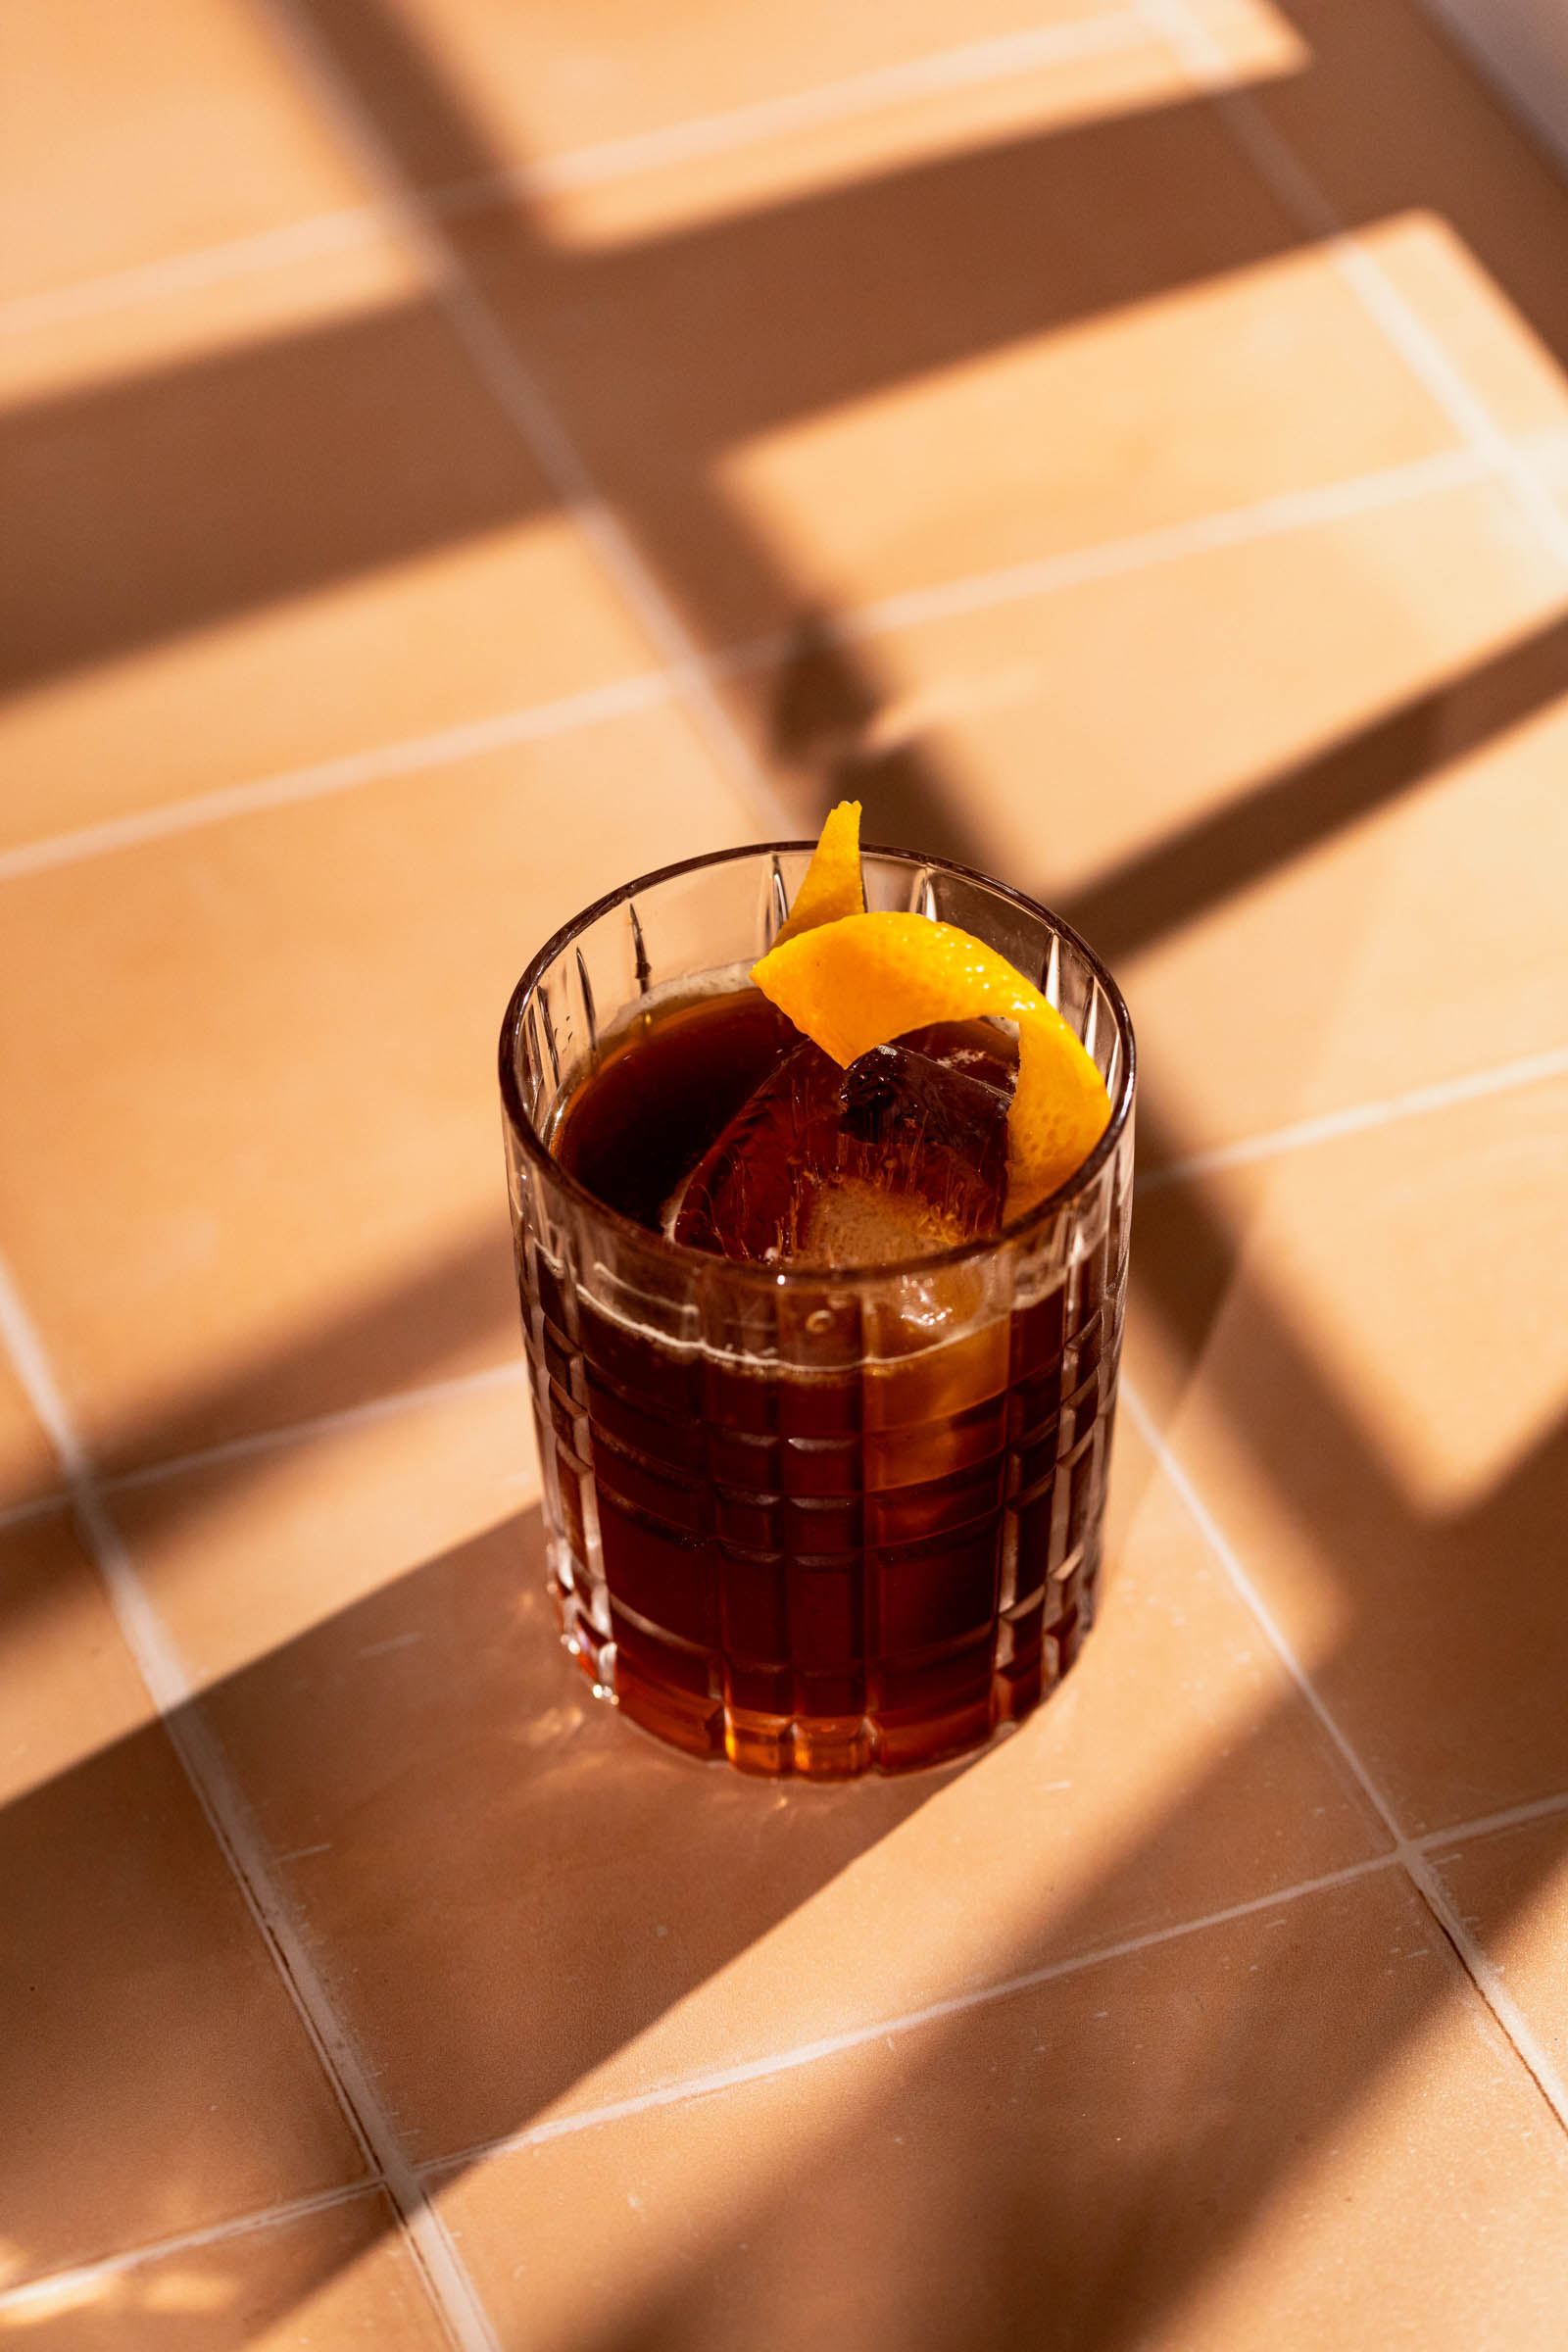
{"x": 902, "y": 1154}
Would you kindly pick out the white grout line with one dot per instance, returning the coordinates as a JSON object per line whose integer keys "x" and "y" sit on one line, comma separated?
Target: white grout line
{"x": 55, "y": 2286}
{"x": 1202, "y": 534}
{"x": 1410, "y": 1852}
{"x": 976, "y": 592}
{"x": 186, "y": 272}
{"x": 261, "y": 1441}
{"x": 912, "y": 2020}
{"x": 970, "y": 65}
{"x": 37, "y": 1506}
{"x": 518, "y": 398}
{"x": 535, "y": 723}
{"x": 320, "y": 1425}
{"x": 1203, "y": 58}
{"x": 1359, "y": 1117}
{"x": 230, "y": 1817}
{"x": 700, "y": 2085}
{"x": 1356, "y": 1120}
{"x": 1512, "y": 1817}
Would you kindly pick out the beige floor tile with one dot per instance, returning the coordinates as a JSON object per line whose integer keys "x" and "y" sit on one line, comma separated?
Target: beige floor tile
{"x": 155, "y": 2078}
{"x": 277, "y": 1188}
{"x": 1298, "y": 2128}
{"x": 323, "y": 2279}
{"x": 136, "y": 133}
{"x": 28, "y": 1465}
{"x": 1273, "y": 784}
{"x": 467, "y": 1832}
{"x": 1463, "y": 298}
{"x": 1040, "y": 344}
{"x": 1461, "y": 207}
{"x": 1255, "y": 37}
{"x": 1548, "y": 456}
{"x": 791, "y": 151}
{"x": 336, "y": 270}
{"x": 256, "y": 528}
{"x": 1511, "y": 1890}
{"x": 481, "y": 79}
{"x": 1359, "y": 1354}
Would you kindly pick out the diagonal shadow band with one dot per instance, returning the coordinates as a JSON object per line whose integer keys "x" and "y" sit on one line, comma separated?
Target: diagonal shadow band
{"x": 1181, "y": 875}
{"x": 328, "y": 451}
{"x": 523, "y": 1872}
{"x": 823, "y": 705}
{"x": 348, "y": 1729}
{"x": 458, "y": 1313}
{"x": 217, "y": 485}
{"x": 177, "y": 498}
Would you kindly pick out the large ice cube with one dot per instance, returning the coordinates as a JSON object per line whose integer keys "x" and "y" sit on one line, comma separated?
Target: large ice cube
{"x": 744, "y": 1196}
{"x": 902, "y": 1153}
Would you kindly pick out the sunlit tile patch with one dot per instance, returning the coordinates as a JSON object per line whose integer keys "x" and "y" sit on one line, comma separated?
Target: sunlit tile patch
{"x": 1315, "y": 1339}
{"x": 335, "y": 272}
{"x": 323, "y": 2270}
{"x": 1251, "y": 38}
{"x": 1044, "y": 390}
{"x": 664, "y": 82}
{"x": 1046, "y": 83}
{"x": 1268, "y": 779}
{"x": 1177, "y": 405}
{"x": 133, "y": 137}
{"x": 371, "y": 553}
{"x": 1464, "y": 297}
{"x": 1484, "y": 204}
{"x": 305, "y": 1230}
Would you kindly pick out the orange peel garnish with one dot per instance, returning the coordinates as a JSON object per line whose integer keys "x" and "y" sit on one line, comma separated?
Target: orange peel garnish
{"x": 831, "y": 886}
{"x": 862, "y": 980}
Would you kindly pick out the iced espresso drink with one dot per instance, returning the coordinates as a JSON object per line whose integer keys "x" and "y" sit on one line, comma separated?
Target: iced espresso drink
{"x": 824, "y": 1374}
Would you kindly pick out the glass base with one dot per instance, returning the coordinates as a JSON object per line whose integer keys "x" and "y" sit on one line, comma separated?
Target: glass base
{"x": 772, "y": 1746}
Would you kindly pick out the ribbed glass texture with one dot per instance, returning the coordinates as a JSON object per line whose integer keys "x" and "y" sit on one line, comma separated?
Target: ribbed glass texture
{"x": 818, "y": 1522}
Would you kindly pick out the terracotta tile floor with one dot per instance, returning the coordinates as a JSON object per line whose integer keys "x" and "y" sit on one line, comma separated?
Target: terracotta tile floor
{"x": 456, "y": 457}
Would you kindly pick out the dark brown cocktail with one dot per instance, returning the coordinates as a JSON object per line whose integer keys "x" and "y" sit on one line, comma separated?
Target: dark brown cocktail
{"x": 824, "y": 1452}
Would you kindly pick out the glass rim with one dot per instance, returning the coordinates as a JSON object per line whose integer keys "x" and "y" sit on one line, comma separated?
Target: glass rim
{"x": 815, "y": 1278}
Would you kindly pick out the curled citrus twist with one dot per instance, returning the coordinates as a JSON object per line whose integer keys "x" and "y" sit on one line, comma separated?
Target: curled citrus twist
{"x": 852, "y": 980}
